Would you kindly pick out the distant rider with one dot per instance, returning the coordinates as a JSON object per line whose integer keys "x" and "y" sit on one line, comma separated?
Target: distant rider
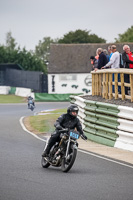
{"x": 28, "y": 99}
{"x": 68, "y": 120}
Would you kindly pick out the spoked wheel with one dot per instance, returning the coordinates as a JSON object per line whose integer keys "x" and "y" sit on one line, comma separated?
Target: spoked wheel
{"x": 44, "y": 163}
{"x": 68, "y": 163}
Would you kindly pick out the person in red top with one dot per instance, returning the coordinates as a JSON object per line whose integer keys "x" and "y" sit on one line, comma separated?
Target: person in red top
{"x": 130, "y": 55}
{"x": 127, "y": 57}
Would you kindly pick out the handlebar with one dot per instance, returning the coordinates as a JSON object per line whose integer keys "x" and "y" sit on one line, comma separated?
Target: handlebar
{"x": 63, "y": 130}
{"x": 83, "y": 138}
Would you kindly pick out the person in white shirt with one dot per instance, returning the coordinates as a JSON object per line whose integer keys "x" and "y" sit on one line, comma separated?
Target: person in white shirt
{"x": 114, "y": 60}
{"x": 115, "y": 64}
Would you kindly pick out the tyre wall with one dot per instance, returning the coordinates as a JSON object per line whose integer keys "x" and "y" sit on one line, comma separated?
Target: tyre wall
{"x": 105, "y": 123}
{"x": 18, "y": 91}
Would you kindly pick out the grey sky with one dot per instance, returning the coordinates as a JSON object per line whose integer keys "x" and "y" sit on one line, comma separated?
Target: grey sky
{"x": 31, "y": 20}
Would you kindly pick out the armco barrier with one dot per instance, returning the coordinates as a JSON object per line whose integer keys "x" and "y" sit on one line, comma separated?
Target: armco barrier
{"x": 4, "y": 89}
{"x": 18, "y": 91}
{"x": 12, "y": 90}
{"x": 105, "y": 123}
{"x": 23, "y": 92}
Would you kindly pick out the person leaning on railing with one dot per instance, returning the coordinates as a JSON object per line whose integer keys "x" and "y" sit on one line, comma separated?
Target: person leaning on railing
{"x": 102, "y": 60}
{"x": 114, "y": 63}
{"x": 127, "y": 57}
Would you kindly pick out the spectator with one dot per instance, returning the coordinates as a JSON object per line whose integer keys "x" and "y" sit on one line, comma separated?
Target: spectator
{"x": 127, "y": 57}
{"x": 94, "y": 62}
{"x": 97, "y": 57}
{"x": 102, "y": 59}
{"x": 106, "y": 53}
{"x": 110, "y": 52}
{"x": 114, "y": 63}
{"x": 114, "y": 60}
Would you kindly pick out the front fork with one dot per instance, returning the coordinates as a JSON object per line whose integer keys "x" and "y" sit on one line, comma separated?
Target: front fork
{"x": 75, "y": 146}
{"x": 46, "y": 144}
{"x": 68, "y": 145}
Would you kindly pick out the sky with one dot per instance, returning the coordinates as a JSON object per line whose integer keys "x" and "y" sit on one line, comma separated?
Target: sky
{"x": 31, "y": 20}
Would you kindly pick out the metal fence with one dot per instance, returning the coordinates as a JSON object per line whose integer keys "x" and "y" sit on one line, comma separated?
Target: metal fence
{"x": 37, "y": 81}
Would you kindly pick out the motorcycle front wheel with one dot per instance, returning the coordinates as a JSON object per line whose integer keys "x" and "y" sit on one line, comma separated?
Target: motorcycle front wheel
{"x": 68, "y": 163}
{"x": 44, "y": 163}
{"x": 32, "y": 107}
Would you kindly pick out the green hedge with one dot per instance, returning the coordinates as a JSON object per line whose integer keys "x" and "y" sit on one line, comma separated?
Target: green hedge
{"x": 45, "y": 97}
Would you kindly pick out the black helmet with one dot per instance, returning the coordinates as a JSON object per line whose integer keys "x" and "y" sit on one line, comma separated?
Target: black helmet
{"x": 92, "y": 57}
{"x": 72, "y": 108}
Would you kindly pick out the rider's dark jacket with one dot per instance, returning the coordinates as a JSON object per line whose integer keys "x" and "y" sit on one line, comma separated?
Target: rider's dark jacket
{"x": 68, "y": 121}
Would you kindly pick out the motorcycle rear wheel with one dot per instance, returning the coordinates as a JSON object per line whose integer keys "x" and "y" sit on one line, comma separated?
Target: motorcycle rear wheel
{"x": 67, "y": 165}
{"x": 44, "y": 163}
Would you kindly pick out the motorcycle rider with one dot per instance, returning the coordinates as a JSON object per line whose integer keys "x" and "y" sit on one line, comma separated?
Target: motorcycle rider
{"x": 68, "y": 120}
{"x": 28, "y": 99}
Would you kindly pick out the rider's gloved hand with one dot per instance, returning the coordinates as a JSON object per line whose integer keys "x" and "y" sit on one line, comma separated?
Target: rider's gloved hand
{"x": 84, "y": 136}
{"x": 59, "y": 127}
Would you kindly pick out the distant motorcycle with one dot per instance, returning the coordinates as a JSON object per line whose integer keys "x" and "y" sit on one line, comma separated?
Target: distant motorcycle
{"x": 63, "y": 153}
{"x": 31, "y": 105}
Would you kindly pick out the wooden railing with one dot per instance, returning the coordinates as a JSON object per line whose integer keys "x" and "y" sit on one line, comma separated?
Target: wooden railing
{"x": 102, "y": 83}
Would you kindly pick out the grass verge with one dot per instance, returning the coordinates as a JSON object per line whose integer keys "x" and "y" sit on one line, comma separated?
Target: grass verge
{"x": 11, "y": 99}
{"x": 41, "y": 124}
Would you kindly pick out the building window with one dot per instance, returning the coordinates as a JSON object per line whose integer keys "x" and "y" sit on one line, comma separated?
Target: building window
{"x": 69, "y": 77}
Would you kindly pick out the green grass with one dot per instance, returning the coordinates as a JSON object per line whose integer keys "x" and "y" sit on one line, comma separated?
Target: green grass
{"x": 11, "y": 99}
{"x": 45, "y": 123}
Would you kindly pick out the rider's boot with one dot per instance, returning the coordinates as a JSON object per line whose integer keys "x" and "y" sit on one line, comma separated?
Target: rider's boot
{"x": 50, "y": 144}
{"x": 46, "y": 152}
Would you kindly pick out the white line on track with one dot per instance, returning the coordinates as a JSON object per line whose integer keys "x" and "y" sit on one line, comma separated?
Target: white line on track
{"x": 82, "y": 151}
{"x": 25, "y": 129}
{"x": 108, "y": 159}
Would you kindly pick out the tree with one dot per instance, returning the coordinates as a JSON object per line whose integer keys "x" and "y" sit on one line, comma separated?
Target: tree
{"x": 42, "y": 49}
{"x": 127, "y": 36}
{"x": 81, "y": 36}
{"x": 3, "y": 54}
{"x": 10, "y": 41}
{"x": 22, "y": 57}
{"x": 27, "y": 59}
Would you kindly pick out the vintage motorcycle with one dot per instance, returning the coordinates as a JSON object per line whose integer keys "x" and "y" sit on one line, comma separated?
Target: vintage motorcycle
{"x": 63, "y": 153}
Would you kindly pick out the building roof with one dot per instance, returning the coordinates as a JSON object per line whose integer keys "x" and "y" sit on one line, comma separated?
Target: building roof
{"x": 74, "y": 58}
{"x": 69, "y": 58}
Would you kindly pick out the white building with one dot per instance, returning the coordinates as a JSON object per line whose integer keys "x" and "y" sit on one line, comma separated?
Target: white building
{"x": 69, "y": 69}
